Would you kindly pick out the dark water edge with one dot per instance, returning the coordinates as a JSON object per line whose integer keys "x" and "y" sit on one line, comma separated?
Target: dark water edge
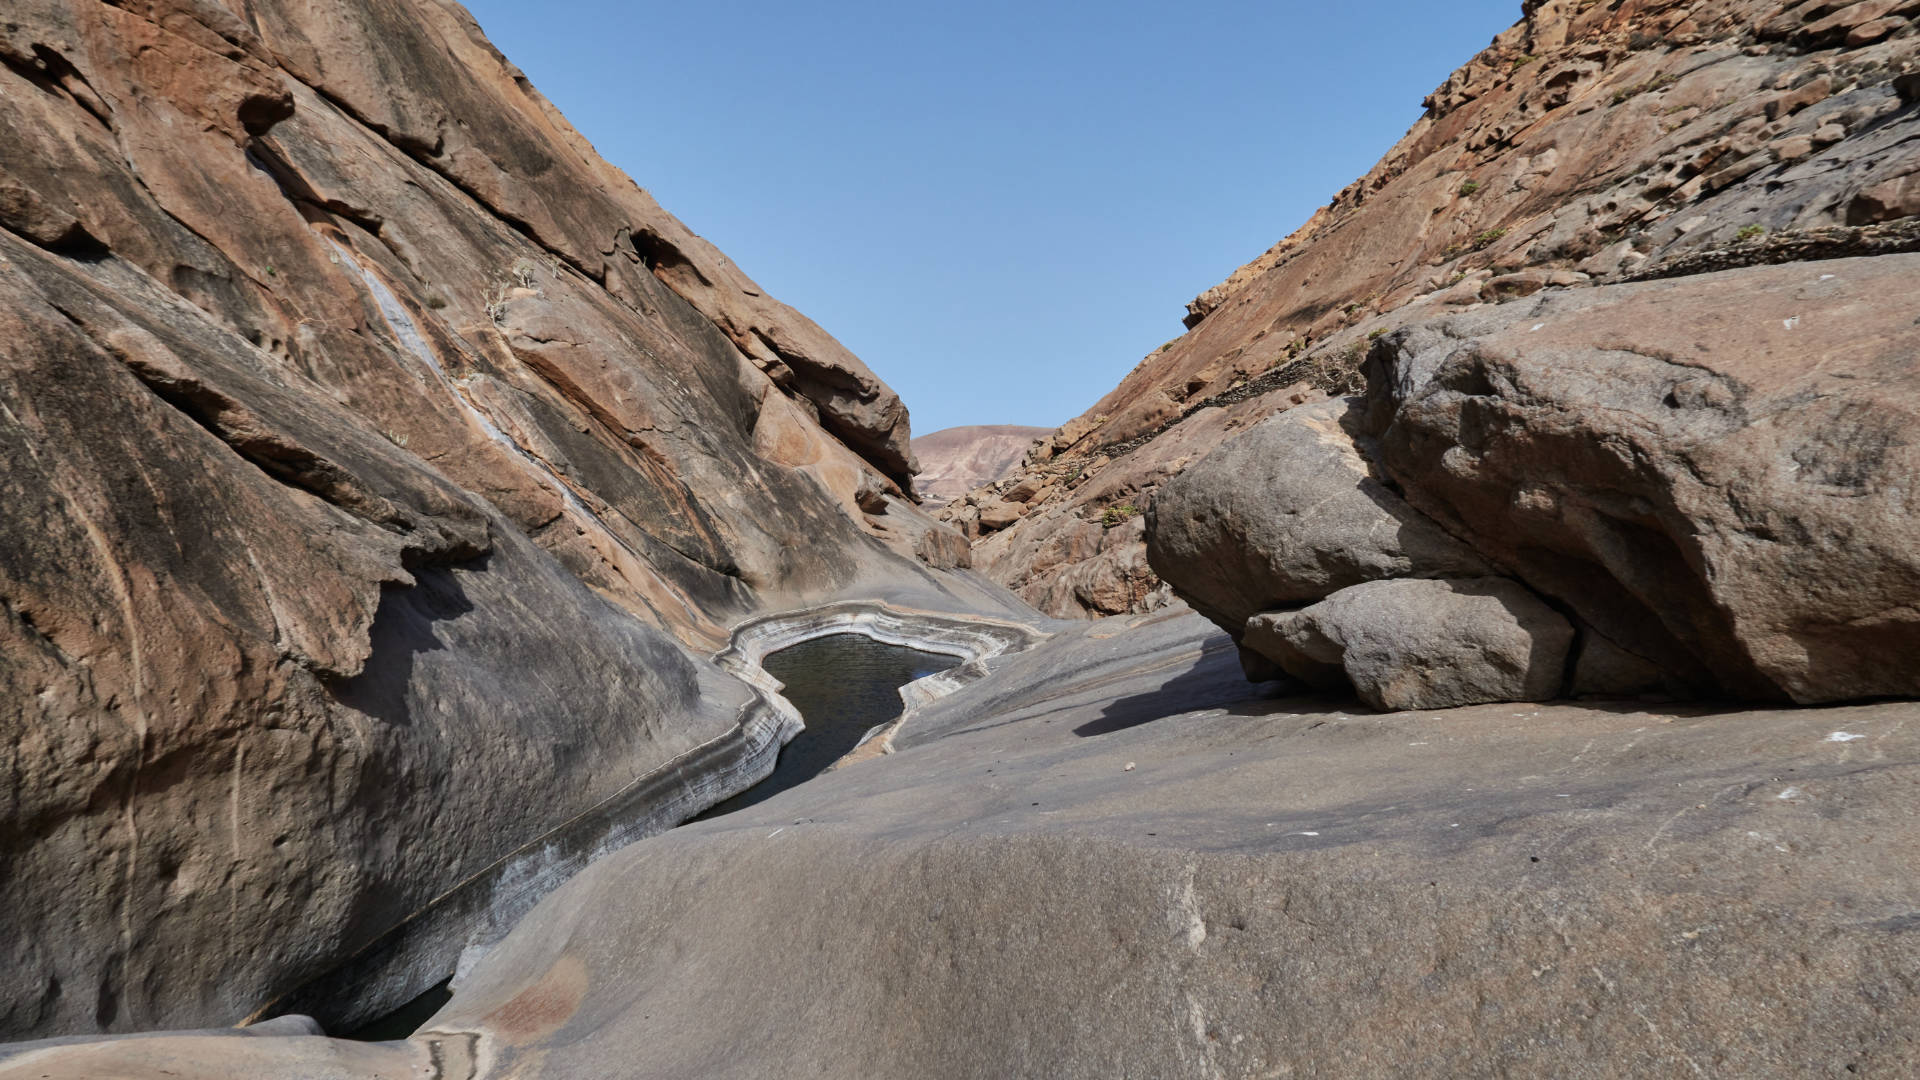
{"x": 406, "y": 1019}
{"x": 844, "y": 685}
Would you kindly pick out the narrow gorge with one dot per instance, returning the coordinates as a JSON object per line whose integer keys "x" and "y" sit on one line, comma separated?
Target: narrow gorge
{"x": 1483, "y": 644}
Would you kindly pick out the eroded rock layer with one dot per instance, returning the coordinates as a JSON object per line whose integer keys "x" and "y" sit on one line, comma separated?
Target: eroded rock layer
{"x": 1589, "y": 144}
{"x": 378, "y": 465}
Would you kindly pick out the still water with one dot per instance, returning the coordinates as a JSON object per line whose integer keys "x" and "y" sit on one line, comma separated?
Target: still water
{"x": 843, "y": 685}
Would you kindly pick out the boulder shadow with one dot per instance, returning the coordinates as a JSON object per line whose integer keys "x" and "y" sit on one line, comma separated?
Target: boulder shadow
{"x": 1214, "y": 681}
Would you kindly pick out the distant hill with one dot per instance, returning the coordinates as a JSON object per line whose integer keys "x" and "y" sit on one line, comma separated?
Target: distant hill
{"x": 956, "y": 460}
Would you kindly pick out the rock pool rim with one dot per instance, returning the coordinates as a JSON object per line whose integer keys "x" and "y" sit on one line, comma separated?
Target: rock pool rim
{"x": 454, "y": 929}
{"x": 972, "y": 639}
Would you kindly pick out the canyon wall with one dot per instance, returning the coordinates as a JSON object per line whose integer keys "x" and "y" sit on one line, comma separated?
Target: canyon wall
{"x": 381, "y": 467}
{"x": 1590, "y": 144}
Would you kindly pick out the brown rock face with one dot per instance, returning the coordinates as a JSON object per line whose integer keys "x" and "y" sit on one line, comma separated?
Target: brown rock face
{"x": 376, "y": 465}
{"x": 954, "y": 461}
{"x": 1728, "y": 516}
{"x": 1712, "y": 472}
{"x": 1590, "y": 143}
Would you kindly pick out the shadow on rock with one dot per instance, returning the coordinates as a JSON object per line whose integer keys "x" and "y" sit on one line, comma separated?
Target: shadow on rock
{"x": 403, "y": 628}
{"x": 1214, "y": 681}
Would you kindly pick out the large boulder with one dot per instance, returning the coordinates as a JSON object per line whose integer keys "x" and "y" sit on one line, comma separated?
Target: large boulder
{"x": 1288, "y": 514}
{"x": 1423, "y": 643}
{"x": 1716, "y": 474}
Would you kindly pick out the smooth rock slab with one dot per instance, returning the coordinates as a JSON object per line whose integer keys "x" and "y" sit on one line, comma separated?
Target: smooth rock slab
{"x": 1275, "y": 887}
{"x": 1423, "y": 644}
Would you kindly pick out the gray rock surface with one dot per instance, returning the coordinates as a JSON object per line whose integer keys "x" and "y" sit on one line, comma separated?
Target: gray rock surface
{"x": 1255, "y": 887}
{"x": 1114, "y": 857}
{"x": 1422, "y": 643}
{"x": 1715, "y": 473}
{"x": 370, "y": 504}
{"x": 1286, "y": 514}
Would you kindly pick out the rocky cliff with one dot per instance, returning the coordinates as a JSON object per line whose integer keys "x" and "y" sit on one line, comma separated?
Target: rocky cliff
{"x": 954, "y": 461}
{"x": 1589, "y": 144}
{"x": 348, "y": 620}
{"x": 380, "y": 468}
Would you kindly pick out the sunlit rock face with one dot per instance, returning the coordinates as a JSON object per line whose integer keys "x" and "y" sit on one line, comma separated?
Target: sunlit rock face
{"x": 1588, "y": 144}
{"x": 379, "y": 466}
{"x": 1707, "y": 475}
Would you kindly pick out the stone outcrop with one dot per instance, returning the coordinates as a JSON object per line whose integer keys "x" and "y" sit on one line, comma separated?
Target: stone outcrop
{"x": 1422, "y": 643}
{"x": 380, "y": 469}
{"x": 1286, "y": 515}
{"x": 394, "y": 500}
{"x": 1589, "y": 144}
{"x": 1708, "y": 474}
{"x": 1713, "y": 473}
{"x": 954, "y": 461}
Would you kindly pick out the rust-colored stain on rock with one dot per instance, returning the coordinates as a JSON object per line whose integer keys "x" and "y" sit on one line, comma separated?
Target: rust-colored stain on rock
{"x": 543, "y": 1007}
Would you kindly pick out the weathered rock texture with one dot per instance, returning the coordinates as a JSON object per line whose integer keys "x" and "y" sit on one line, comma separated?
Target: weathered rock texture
{"x": 376, "y": 465}
{"x": 1113, "y": 857}
{"x": 1422, "y": 643}
{"x": 1589, "y": 143}
{"x": 1714, "y": 473}
{"x": 1710, "y": 474}
{"x": 1288, "y": 514}
{"x": 954, "y": 461}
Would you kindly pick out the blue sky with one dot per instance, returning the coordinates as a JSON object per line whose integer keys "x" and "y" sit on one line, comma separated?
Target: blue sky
{"x": 1001, "y": 207}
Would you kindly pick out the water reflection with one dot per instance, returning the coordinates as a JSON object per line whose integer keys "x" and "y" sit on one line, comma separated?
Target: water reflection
{"x": 843, "y": 685}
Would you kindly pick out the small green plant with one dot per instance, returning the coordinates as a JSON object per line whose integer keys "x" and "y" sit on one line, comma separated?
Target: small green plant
{"x": 1750, "y": 232}
{"x": 1119, "y": 514}
{"x": 1488, "y": 239}
{"x": 1522, "y": 61}
{"x": 1469, "y": 187}
{"x": 1376, "y": 333}
{"x": 273, "y": 272}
